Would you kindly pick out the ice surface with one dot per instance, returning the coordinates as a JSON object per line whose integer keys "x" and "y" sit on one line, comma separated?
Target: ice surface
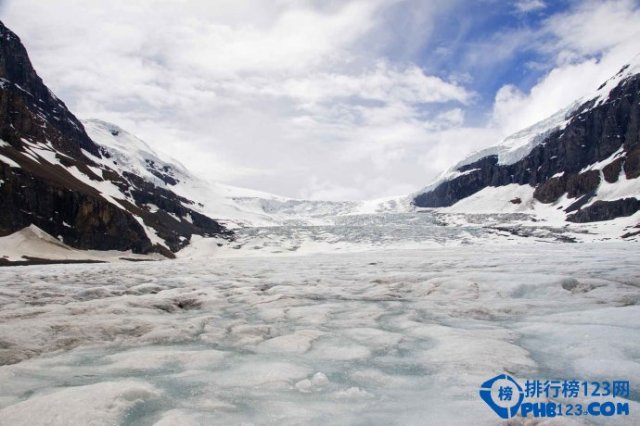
{"x": 96, "y": 404}
{"x": 377, "y": 337}
{"x": 474, "y": 221}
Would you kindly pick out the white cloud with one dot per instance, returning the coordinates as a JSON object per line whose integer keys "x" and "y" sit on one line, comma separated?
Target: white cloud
{"x": 587, "y": 52}
{"x": 381, "y": 83}
{"x": 450, "y": 118}
{"x": 247, "y": 93}
{"x": 525, "y": 6}
{"x": 306, "y": 98}
{"x": 595, "y": 27}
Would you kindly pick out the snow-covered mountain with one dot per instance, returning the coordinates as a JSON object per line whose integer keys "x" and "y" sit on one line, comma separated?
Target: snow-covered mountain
{"x": 55, "y": 177}
{"x": 582, "y": 163}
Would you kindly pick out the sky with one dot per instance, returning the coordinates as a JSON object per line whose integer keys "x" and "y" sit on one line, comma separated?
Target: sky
{"x": 323, "y": 99}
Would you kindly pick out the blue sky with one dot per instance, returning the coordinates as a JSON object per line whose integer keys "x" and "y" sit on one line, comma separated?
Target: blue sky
{"x": 349, "y": 99}
{"x": 480, "y": 32}
{"x": 467, "y": 45}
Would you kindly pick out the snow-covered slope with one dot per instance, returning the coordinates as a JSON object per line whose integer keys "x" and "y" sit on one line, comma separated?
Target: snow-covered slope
{"x": 33, "y": 245}
{"x": 233, "y": 205}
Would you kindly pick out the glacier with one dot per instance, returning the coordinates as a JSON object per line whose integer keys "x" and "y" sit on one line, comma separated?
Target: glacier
{"x": 393, "y": 336}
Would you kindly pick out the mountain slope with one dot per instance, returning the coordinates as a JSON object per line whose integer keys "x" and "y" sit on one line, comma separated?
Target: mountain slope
{"x": 584, "y": 160}
{"x": 54, "y": 176}
{"x": 129, "y": 154}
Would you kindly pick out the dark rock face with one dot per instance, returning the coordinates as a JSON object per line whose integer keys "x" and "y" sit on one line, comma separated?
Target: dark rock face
{"x": 632, "y": 164}
{"x": 49, "y": 195}
{"x": 612, "y": 170}
{"x": 593, "y": 134}
{"x": 476, "y": 177}
{"x": 606, "y": 210}
{"x": 85, "y": 221}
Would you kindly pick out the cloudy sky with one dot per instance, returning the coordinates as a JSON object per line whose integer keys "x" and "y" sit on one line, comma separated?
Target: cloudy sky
{"x": 323, "y": 99}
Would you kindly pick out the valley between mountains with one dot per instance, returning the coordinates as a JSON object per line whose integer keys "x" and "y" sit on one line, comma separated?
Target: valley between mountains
{"x": 133, "y": 292}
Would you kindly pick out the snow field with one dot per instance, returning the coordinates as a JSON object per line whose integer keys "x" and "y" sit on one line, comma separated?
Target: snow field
{"x": 380, "y": 337}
